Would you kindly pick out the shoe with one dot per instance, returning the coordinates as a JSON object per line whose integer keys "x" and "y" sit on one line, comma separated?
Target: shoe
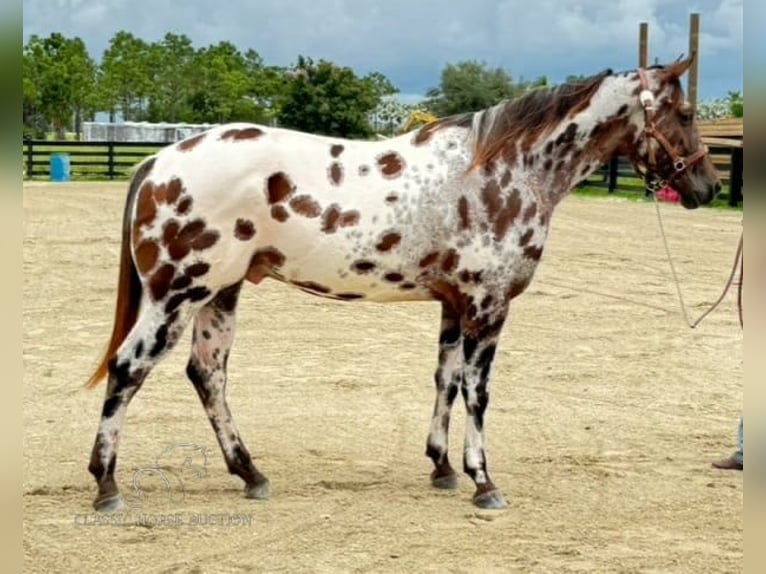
{"x": 728, "y": 463}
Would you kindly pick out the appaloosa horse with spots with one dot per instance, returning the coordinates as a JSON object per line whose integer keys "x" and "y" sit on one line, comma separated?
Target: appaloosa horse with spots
{"x": 456, "y": 212}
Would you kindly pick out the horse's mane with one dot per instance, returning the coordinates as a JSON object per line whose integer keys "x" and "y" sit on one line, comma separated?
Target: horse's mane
{"x": 529, "y": 117}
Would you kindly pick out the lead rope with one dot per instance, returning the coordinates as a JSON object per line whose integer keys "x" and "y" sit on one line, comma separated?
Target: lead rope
{"x": 738, "y": 262}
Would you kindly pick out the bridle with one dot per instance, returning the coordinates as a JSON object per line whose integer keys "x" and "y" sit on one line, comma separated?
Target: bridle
{"x": 653, "y": 181}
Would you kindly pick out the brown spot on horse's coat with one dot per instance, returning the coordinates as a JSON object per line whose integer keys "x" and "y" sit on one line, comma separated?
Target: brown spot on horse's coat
{"x": 191, "y": 142}
{"x": 429, "y": 259}
{"x": 170, "y": 231}
{"x": 181, "y": 282}
{"x": 492, "y": 198}
{"x": 336, "y": 173}
{"x": 279, "y": 187}
{"x": 184, "y": 206}
{"x": 146, "y": 209}
{"x": 530, "y": 212}
{"x": 244, "y": 229}
{"x": 239, "y": 134}
{"x": 349, "y": 296}
{"x": 506, "y": 179}
{"x": 450, "y": 261}
{"x": 197, "y": 269}
{"x": 174, "y": 190}
{"x": 406, "y": 286}
{"x": 306, "y": 206}
{"x": 270, "y": 257}
{"x": 517, "y": 288}
{"x": 312, "y": 286}
{"x": 391, "y": 165}
{"x": 330, "y": 218}
{"x": 508, "y": 214}
{"x": 333, "y": 217}
{"x": 159, "y": 283}
{"x": 364, "y": 170}
{"x": 146, "y": 254}
{"x": 349, "y": 218}
{"x": 389, "y": 240}
{"x": 191, "y": 236}
{"x": 205, "y": 240}
{"x": 393, "y": 277}
{"x": 336, "y": 150}
{"x": 279, "y": 213}
{"x": 462, "y": 210}
{"x": 533, "y": 252}
{"x": 526, "y": 237}
{"x": 392, "y": 198}
{"x": 363, "y": 266}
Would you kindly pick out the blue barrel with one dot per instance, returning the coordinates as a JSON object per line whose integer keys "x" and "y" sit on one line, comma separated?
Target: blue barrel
{"x": 59, "y": 167}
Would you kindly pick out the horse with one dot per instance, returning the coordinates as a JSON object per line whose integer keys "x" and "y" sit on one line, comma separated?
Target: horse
{"x": 455, "y": 212}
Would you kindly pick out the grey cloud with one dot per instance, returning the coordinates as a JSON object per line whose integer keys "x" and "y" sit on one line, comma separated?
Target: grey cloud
{"x": 411, "y": 40}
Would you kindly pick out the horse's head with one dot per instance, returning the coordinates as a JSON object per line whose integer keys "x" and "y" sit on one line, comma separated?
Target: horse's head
{"x": 670, "y": 150}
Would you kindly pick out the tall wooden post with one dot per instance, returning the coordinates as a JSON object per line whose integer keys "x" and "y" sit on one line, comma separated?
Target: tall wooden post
{"x": 643, "y": 45}
{"x": 694, "y": 48}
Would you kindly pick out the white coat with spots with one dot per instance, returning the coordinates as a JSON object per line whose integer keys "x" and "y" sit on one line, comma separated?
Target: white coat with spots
{"x": 455, "y": 212}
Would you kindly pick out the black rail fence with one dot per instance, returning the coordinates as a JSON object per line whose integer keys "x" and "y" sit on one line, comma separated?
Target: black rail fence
{"x": 116, "y": 160}
{"x": 619, "y": 175}
{"x": 87, "y": 160}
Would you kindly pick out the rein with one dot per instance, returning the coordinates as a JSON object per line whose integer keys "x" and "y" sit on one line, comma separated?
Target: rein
{"x": 738, "y": 262}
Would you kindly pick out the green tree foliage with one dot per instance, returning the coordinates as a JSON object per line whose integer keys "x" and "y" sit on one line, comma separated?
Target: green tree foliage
{"x": 126, "y": 82}
{"x": 225, "y": 85}
{"x": 59, "y": 82}
{"x": 327, "y": 99}
{"x": 470, "y": 86}
{"x": 172, "y": 65}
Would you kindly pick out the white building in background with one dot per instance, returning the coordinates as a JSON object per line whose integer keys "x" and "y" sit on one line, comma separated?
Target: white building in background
{"x": 140, "y": 131}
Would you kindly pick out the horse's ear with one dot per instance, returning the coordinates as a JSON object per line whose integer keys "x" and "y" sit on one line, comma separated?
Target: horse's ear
{"x": 679, "y": 67}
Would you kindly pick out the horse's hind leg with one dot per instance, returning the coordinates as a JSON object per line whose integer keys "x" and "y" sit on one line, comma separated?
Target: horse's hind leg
{"x": 448, "y": 378}
{"x": 153, "y": 335}
{"x": 211, "y": 342}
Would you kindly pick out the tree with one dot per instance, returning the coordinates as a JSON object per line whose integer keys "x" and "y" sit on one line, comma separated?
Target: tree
{"x": 327, "y": 99}
{"x": 172, "y": 64}
{"x": 470, "y": 86}
{"x": 59, "y": 80}
{"x": 125, "y": 81}
{"x": 224, "y": 85}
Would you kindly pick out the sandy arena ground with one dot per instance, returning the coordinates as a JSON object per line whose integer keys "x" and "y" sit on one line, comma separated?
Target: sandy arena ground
{"x": 606, "y": 411}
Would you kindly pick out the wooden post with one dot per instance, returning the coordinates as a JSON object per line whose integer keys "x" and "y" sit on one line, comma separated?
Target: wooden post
{"x": 30, "y": 159}
{"x": 110, "y": 160}
{"x": 694, "y": 45}
{"x": 735, "y": 177}
{"x": 614, "y": 166}
{"x": 643, "y": 45}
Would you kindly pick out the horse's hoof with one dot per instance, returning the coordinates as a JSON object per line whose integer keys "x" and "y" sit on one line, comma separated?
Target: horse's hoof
{"x": 448, "y": 482}
{"x": 490, "y": 500}
{"x": 259, "y": 491}
{"x": 108, "y": 504}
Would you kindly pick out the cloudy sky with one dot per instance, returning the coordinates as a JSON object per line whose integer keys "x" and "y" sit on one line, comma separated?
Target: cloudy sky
{"x": 411, "y": 40}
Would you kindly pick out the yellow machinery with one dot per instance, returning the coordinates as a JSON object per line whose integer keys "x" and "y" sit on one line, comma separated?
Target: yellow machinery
{"x": 415, "y": 118}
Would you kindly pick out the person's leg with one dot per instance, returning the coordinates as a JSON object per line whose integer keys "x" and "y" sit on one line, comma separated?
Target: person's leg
{"x": 736, "y": 460}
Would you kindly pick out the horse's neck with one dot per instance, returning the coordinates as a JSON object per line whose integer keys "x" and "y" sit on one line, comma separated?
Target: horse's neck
{"x": 584, "y": 141}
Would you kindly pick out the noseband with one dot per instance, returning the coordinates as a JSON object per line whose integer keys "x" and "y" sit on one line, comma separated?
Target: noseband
{"x": 680, "y": 164}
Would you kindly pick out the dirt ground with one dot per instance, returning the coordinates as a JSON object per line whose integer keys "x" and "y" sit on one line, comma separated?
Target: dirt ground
{"x": 606, "y": 411}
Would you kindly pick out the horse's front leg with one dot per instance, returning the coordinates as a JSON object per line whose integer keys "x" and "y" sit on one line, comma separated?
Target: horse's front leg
{"x": 480, "y": 337}
{"x": 448, "y": 377}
